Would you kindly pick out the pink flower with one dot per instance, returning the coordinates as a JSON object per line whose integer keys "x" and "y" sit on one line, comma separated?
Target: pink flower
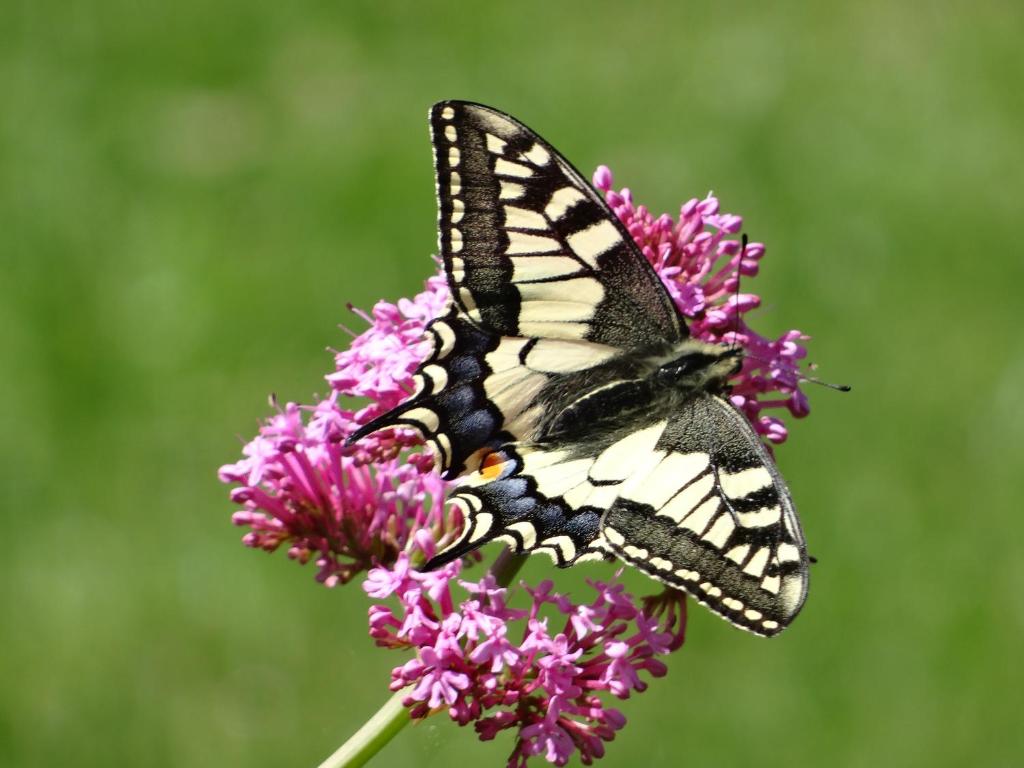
{"x": 547, "y": 684}
{"x": 349, "y": 508}
{"x": 700, "y": 267}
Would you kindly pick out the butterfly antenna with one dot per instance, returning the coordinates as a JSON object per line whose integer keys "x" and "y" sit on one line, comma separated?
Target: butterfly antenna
{"x": 804, "y": 377}
{"x": 829, "y": 384}
{"x": 739, "y": 268}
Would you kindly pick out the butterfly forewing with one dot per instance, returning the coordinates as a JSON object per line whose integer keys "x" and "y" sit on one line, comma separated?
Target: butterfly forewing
{"x": 530, "y": 248}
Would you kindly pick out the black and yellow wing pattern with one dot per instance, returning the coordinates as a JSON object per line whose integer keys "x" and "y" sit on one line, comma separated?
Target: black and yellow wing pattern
{"x": 565, "y": 391}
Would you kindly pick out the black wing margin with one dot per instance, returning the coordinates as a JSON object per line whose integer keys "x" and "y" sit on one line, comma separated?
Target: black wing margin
{"x": 530, "y": 248}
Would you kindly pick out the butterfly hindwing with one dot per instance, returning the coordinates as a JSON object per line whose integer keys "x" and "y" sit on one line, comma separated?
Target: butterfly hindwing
{"x": 688, "y": 495}
{"x": 714, "y": 518}
{"x": 529, "y": 247}
{"x": 529, "y": 497}
{"x": 552, "y": 497}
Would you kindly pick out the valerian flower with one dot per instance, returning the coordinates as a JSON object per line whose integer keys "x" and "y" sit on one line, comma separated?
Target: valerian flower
{"x": 545, "y": 671}
{"x": 539, "y": 670}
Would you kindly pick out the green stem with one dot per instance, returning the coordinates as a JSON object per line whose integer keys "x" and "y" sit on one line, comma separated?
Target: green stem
{"x": 393, "y": 717}
{"x": 375, "y": 733}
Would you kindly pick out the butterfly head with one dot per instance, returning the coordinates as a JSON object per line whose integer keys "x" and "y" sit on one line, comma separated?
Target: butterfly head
{"x": 700, "y": 365}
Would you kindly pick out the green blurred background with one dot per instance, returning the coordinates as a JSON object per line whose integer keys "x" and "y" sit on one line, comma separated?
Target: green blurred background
{"x": 191, "y": 192}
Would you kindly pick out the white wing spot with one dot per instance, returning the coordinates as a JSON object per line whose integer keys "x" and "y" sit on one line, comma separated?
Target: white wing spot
{"x": 585, "y": 291}
{"x": 757, "y": 563}
{"x": 661, "y": 563}
{"x": 622, "y": 458}
{"x": 637, "y": 553}
{"x": 745, "y": 482}
{"x": 512, "y": 541}
{"x": 503, "y": 167}
{"x": 720, "y": 531}
{"x": 455, "y": 238}
{"x": 709, "y": 589}
{"x": 614, "y": 536}
{"x": 553, "y": 329}
{"x": 560, "y": 478}
{"x": 687, "y": 575}
{"x": 684, "y": 502}
{"x": 674, "y": 471}
{"x": 510, "y": 191}
{"x": 562, "y": 201}
{"x": 771, "y": 584}
{"x": 425, "y": 417}
{"x": 481, "y": 525}
{"x": 566, "y": 546}
{"x": 446, "y": 339}
{"x": 770, "y": 624}
{"x": 791, "y": 593}
{"x": 519, "y": 242}
{"x": 596, "y": 239}
{"x": 449, "y": 132}
{"x": 738, "y": 554}
{"x": 577, "y": 496}
{"x": 447, "y": 113}
{"x": 458, "y": 208}
{"x": 534, "y": 460}
{"x": 438, "y": 376}
{"x": 698, "y": 520}
{"x": 752, "y": 615}
{"x": 524, "y": 218}
{"x": 759, "y": 518}
{"x": 526, "y": 532}
{"x": 537, "y": 155}
{"x": 558, "y": 356}
{"x": 529, "y": 268}
{"x": 787, "y": 553}
{"x": 506, "y": 356}
{"x": 443, "y": 446}
{"x": 453, "y": 156}
{"x": 455, "y": 183}
{"x": 732, "y": 604}
{"x": 494, "y": 144}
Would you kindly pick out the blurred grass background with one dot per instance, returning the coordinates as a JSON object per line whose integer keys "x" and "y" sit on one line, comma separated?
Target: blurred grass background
{"x": 191, "y": 192}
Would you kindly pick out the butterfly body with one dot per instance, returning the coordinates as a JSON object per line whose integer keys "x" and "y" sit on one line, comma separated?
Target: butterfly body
{"x": 566, "y": 394}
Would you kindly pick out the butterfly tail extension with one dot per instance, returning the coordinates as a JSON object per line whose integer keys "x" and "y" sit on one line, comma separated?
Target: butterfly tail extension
{"x": 449, "y": 407}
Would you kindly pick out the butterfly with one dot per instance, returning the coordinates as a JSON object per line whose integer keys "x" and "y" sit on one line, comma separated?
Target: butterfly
{"x": 564, "y": 389}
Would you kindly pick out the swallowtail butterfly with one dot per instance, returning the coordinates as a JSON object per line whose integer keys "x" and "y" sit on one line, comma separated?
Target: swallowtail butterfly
{"x": 565, "y": 389}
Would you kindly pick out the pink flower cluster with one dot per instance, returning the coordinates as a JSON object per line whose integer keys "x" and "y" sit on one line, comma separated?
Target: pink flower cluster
{"x": 537, "y": 669}
{"x": 349, "y": 508}
{"x": 700, "y": 267}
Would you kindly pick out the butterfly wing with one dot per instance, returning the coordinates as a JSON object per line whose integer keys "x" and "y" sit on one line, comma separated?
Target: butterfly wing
{"x": 548, "y": 289}
{"x": 529, "y": 247}
{"x": 714, "y": 517}
{"x": 688, "y": 495}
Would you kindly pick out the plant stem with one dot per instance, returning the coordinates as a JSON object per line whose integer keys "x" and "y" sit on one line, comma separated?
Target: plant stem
{"x": 393, "y": 717}
{"x": 507, "y": 566}
{"x": 375, "y": 733}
